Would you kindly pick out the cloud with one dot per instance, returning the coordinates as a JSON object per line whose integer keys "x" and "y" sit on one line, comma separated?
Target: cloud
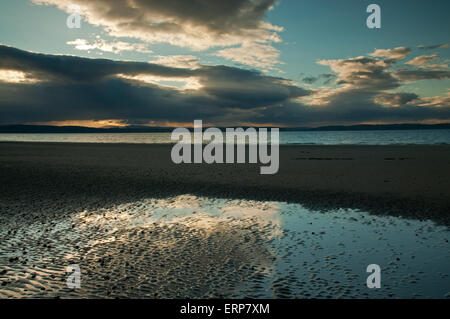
{"x": 197, "y": 24}
{"x": 399, "y": 53}
{"x": 365, "y": 90}
{"x": 422, "y": 60}
{"x": 395, "y": 99}
{"x": 177, "y": 61}
{"x": 13, "y": 76}
{"x": 310, "y": 79}
{"x": 74, "y": 88}
{"x": 253, "y": 54}
{"x": 71, "y": 68}
{"x": 371, "y": 78}
{"x": 436, "y": 46}
{"x": 363, "y": 73}
{"x": 113, "y": 47}
{"x": 326, "y": 77}
{"x": 417, "y": 75}
{"x": 435, "y": 101}
{"x": 67, "y": 88}
{"x": 243, "y": 89}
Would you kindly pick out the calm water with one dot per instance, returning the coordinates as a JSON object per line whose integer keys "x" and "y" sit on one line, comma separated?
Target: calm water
{"x": 321, "y": 138}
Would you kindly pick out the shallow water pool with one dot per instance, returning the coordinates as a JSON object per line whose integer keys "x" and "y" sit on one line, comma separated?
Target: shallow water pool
{"x": 196, "y": 247}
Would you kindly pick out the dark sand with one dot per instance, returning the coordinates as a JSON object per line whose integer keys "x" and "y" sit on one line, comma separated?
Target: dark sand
{"x": 411, "y": 181}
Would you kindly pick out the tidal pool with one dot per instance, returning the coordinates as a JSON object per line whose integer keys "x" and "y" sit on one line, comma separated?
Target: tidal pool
{"x": 197, "y": 247}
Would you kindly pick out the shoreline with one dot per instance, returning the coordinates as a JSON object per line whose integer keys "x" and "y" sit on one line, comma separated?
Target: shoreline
{"x": 398, "y": 180}
{"x": 171, "y": 143}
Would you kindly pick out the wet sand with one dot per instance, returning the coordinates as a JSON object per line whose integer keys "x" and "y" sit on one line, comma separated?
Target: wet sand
{"x": 137, "y": 227}
{"x": 411, "y": 181}
{"x": 197, "y": 247}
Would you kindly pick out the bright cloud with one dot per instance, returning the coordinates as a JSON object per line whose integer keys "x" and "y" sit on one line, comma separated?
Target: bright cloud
{"x": 113, "y": 47}
{"x": 198, "y": 25}
{"x": 435, "y": 101}
{"x": 399, "y": 53}
{"x": 177, "y": 61}
{"x": 253, "y": 54}
{"x": 13, "y": 76}
{"x": 423, "y": 59}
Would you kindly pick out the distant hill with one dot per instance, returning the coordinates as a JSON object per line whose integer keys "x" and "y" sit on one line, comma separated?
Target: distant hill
{"x": 147, "y": 129}
{"x": 378, "y": 127}
{"x": 78, "y": 129}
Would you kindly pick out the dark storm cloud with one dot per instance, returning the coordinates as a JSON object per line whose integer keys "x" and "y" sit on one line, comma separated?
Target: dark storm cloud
{"x": 217, "y": 15}
{"x": 246, "y": 89}
{"x": 111, "y": 98}
{"x": 73, "y": 88}
{"x": 348, "y": 109}
{"x": 71, "y": 68}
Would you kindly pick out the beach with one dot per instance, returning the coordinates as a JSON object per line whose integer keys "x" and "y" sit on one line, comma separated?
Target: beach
{"x": 141, "y": 226}
{"x": 403, "y": 180}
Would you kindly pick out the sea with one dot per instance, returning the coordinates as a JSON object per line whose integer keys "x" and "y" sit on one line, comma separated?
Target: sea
{"x": 375, "y": 137}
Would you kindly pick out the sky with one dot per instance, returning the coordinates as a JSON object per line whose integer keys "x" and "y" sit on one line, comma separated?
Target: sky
{"x": 235, "y": 62}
